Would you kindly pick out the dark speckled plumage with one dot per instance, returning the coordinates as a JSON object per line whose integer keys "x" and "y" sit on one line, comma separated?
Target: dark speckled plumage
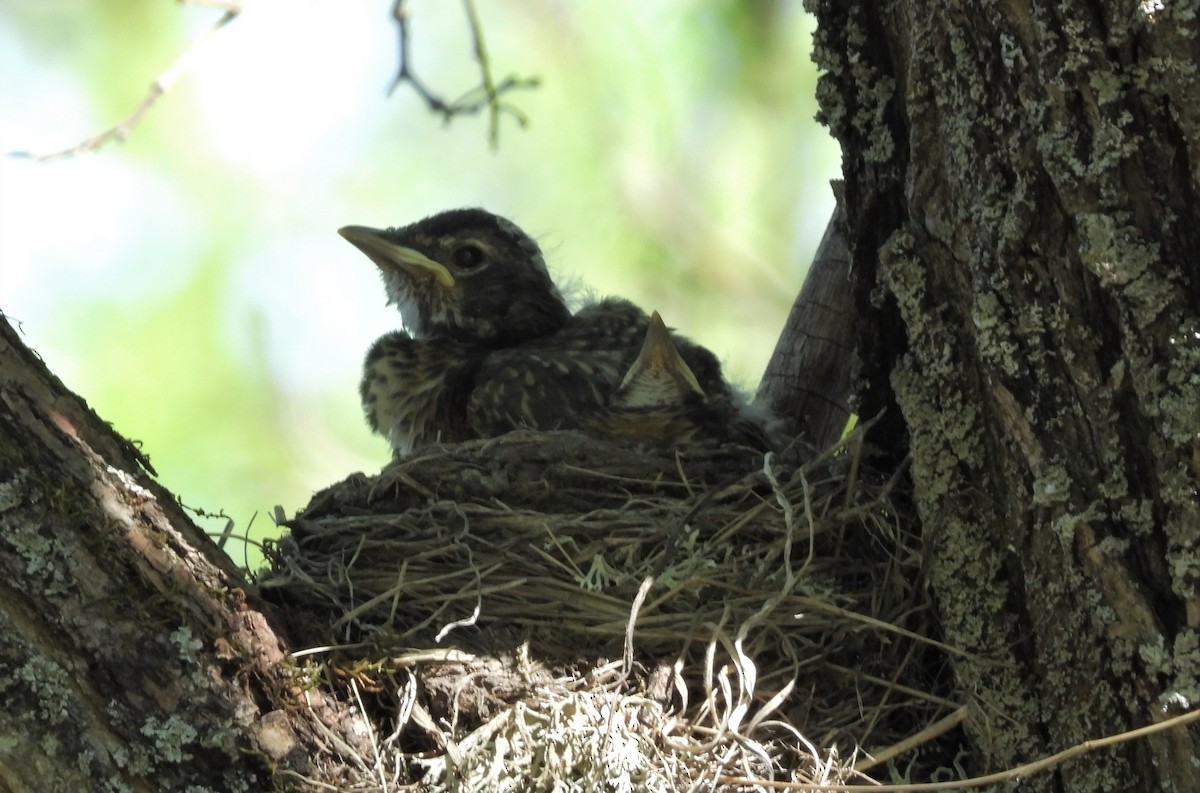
{"x": 490, "y": 346}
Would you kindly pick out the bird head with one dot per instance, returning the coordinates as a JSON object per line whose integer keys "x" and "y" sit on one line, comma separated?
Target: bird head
{"x": 467, "y": 275}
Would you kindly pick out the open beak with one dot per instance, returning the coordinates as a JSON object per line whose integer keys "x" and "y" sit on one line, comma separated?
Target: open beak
{"x": 660, "y": 363}
{"x": 375, "y": 244}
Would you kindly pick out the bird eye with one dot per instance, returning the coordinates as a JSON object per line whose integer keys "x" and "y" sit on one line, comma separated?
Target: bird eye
{"x": 468, "y": 257}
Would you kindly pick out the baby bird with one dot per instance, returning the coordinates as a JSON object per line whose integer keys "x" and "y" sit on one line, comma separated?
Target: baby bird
{"x": 490, "y": 346}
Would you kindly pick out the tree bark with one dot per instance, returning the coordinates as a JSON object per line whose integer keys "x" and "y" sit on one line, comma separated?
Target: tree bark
{"x": 807, "y": 381}
{"x": 1022, "y": 190}
{"x": 131, "y": 656}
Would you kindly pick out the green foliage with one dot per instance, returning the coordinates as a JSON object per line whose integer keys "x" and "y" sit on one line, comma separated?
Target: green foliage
{"x": 190, "y": 283}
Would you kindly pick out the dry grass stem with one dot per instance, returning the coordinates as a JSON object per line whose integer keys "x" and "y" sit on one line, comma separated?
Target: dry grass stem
{"x": 551, "y": 612}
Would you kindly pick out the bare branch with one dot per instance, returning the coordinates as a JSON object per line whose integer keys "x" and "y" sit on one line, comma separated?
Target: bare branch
{"x": 485, "y": 95}
{"x": 121, "y": 131}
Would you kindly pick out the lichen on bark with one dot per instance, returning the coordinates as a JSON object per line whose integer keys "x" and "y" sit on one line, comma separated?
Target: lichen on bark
{"x": 1034, "y": 238}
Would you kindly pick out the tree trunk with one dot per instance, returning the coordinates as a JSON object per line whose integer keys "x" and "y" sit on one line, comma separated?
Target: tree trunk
{"x": 130, "y": 655}
{"x": 1024, "y": 219}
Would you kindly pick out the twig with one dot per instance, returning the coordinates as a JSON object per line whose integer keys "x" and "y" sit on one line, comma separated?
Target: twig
{"x": 485, "y": 95}
{"x": 1021, "y": 771}
{"x": 162, "y": 84}
{"x": 938, "y": 728}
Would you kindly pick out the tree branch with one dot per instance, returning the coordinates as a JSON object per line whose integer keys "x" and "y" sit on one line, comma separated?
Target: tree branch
{"x": 485, "y": 95}
{"x": 807, "y": 381}
{"x": 163, "y": 83}
{"x": 133, "y": 653}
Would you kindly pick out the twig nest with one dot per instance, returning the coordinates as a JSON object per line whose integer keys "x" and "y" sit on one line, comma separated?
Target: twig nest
{"x": 739, "y": 614}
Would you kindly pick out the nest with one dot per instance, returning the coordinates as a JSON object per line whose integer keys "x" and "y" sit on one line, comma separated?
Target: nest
{"x": 547, "y": 611}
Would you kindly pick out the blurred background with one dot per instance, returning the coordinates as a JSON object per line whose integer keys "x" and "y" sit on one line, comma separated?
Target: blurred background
{"x": 191, "y": 286}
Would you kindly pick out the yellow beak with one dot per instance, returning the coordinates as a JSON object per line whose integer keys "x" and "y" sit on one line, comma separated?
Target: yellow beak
{"x": 374, "y": 243}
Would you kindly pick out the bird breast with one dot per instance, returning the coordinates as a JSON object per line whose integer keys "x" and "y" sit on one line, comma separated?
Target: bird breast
{"x": 414, "y": 392}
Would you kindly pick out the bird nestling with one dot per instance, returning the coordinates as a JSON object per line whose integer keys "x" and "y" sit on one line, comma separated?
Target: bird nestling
{"x": 490, "y": 346}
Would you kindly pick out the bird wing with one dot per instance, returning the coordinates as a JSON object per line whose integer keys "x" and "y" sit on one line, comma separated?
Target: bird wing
{"x": 571, "y": 380}
{"x": 542, "y": 388}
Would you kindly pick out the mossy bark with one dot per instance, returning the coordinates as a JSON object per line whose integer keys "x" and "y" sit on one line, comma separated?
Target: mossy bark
{"x": 131, "y": 658}
{"x": 1023, "y": 206}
